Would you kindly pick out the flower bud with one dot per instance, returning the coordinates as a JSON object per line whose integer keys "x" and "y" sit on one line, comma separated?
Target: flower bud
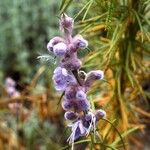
{"x": 100, "y": 114}
{"x": 66, "y": 24}
{"x": 60, "y": 49}
{"x": 9, "y": 82}
{"x": 70, "y": 115}
{"x": 80, "y": 42}
{"x": 10, "y": 91}
{"x": 53, "y": 42}
{"x": 92, "y": 76}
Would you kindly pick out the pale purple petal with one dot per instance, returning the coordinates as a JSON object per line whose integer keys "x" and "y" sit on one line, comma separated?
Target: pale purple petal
{"x": 60, "y": 49}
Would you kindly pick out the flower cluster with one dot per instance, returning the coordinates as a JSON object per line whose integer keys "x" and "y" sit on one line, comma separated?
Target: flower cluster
{"x": 10, "y": 86}
{"x": 75, "y": 83}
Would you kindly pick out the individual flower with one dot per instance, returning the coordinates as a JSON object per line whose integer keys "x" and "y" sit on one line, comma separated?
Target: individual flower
{"x": 10, "y": 86}
{"x": 90, "y": 122}
{"x": 53, "y": 42}
{"x": 70, "y": 92}
{"x": 76, "y": 105}
{"x": 71, "y": 62}
{"x": 62, "y": 78}
{"x": 78, "y": 130}
{"x": 66, "y": 23}
{"x": 60, "y": 49}
{"x": 70, "y": 115}
{"x": 100, "y": 114}
{"x": 80, "y": 42}
{"x": 92, "y": 76}
{"x": 9, "y": 82}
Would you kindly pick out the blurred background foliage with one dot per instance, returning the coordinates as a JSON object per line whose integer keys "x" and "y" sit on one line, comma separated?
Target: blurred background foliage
{"x": 119, "y": 41}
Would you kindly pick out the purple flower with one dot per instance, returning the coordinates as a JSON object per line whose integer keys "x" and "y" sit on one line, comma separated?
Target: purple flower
{"x": 78, "y": 130}
{"x": 100, "y": 114}
{"x": 10, "y": 91}
{"x": 73, "y": 82}
{"x": 92, "y": 76}
{"x": 10, "y": 87}
{"x": 81, "y": 95}
{"x": 67, "y": 104}
{"x": 70, "y": 92}
{"x": 66, "y": 23}
{"x": 60, "y": 49}
{"x": 53, "y": 42}
{"x": 76, "y": 105}
{"x": 80, "y": 42}
{"x": 70, "y": 115}
{"x": 90, "y": 122}
{"x": 62, "y": 78}
{"x": 9, "y": 82}
{"x": 71, "y": 62}
{"x": 83, "y": 105}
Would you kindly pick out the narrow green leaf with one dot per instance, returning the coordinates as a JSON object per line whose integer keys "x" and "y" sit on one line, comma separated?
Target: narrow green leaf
{"x": 126, "y": 133}
{"x": 85, "y": 14}
{"x": 65, "y": 6}
{"x": 116, "y": 131}
{"x": 140, "y": 24}
{"x": 81, "y": 10}
{"x": 62, "y": 4}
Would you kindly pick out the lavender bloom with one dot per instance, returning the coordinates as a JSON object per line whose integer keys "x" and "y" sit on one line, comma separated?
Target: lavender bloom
{"x": 71, "y": 62}
{"x": 73, "y": 82}
{"x": 10, "y": 87}
{"x": 76, "y": 105}
{"x": 60, "y": 49}
{"x": 62, "y": 78}
{"x": 80, "y": 42}
{"x": 9, "y": 82}
{"x": 70, "y": 115}
{"x": 100, "y": 114}
{"x": 92, "y": 76}
{"x": 67, "y": 105}
{"x": 66, "y": 23}
{"x": 70, "y": 92}
{"x": 10, "y": 90}
{"x": 83, "y": 105}
{"x": 77, "y": 130}
{"x": 53, "y": 42}
{"x": 80, "y": 95}
{"x": 89, "y": 122}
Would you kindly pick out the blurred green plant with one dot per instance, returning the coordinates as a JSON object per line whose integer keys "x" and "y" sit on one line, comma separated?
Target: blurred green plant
{"x": 26, "y": 27}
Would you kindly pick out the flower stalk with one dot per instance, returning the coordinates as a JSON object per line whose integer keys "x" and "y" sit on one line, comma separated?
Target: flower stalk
{"x": 70, "y": 79}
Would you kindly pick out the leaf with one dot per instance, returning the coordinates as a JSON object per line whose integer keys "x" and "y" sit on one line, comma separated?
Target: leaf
{"x": 126, "y": 133}
{"x": 81, "y": 10}
{"x": 139, "y": 22}
{"x": 62, "y": 4}
{"x": 65, "y": 4}
{"x": 47, "y": 57}
{"x": 85, "y": 14}
{"x": 121, "y": 138}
